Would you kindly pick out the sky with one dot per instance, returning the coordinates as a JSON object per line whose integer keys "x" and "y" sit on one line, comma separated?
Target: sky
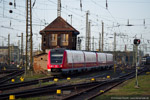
{"x": 116, "y": 17}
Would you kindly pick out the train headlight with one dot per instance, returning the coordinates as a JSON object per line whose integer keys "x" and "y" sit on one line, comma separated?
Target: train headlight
{"x": 60, "y": 65}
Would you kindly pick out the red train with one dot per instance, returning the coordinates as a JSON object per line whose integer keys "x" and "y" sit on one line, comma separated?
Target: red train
{"x": 62, "y": 61}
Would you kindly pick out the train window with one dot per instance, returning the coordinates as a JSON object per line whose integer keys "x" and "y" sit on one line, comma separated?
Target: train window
{"x": 56, "y": 58}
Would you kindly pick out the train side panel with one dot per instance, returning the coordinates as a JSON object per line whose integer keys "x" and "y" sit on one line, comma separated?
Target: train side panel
{"x": 90, "y": 60}
{"x": 74, "y": 61}
{"x": 109, "y": 60}
{"x": 70, "y": 61}
{"x": 101, "y": 60}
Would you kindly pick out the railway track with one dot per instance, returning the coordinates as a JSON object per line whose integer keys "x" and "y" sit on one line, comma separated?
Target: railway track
{"x": 42, "y": 80}
{"x": 9, "y": 76}
{"x": 26, "y": 83}
{"x": 76, "y": 89}
{"x": 7, "y": 71}
{"x": 92, "y": 92}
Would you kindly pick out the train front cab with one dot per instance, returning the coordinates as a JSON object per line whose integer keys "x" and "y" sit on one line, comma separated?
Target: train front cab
{"x": 55, "y": 61}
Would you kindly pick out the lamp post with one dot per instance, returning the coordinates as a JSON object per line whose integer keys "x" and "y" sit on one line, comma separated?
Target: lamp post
{"x": 22, "y": 60}
{"x": 71, "y": 18}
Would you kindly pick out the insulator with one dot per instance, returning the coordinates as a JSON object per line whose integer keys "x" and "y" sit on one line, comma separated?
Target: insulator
{"x": 10, "y": 3}
{"x": 10, "y": 11}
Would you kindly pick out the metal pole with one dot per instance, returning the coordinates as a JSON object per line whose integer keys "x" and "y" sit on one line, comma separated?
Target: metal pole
{"x": 71, "y": 19}
{"x": 102, "y": 35}
{"x": 115, "y": 52}
{"x": 22, "y": 47}
{"x": 8, "y": 49}
{"x": 18, "y": 52}
{"x": 58, "y": 8}
{"x": 114, "y": 46}
{"x": 93, "y": 44}
{"x": 31, "y": 46}
{"x": 26, "y": 37}
{"x": 89, "y": 36}
{"x": 99, "y": 41}
{"x": 136, "y": 85}
{"x": 86, "y": 33}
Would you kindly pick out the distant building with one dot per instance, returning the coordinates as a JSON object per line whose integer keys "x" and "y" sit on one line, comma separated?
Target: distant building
{"x": 14, "y": 54}
{"x": 126, "y": 57}
{"x": 60, "y": 34}
{"x": 3, "y": 54}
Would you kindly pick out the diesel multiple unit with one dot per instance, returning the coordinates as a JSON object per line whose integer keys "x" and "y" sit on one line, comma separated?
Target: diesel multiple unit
{"x": 61, "y": 61}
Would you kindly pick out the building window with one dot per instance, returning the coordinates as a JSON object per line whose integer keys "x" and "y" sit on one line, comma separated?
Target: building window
{"x": 64, "y": 39}
{"x": 44, "y": 40}
{"x": 53, "y": 39}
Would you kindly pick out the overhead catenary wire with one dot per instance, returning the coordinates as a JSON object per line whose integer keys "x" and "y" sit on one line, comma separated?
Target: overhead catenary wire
{"x": 37, "y": 21}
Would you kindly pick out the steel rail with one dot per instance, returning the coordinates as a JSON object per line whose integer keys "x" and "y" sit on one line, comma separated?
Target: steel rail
{"x": 10, "y": 76}
{"x": 108, "y": 85}
{"x": 26, "y": 83}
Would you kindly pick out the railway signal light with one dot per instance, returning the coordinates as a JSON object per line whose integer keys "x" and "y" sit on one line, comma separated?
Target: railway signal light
{"x": 137, "y": 41}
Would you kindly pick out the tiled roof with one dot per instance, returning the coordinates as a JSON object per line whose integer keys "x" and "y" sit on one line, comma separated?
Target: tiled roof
{"x": 59, "y": 24}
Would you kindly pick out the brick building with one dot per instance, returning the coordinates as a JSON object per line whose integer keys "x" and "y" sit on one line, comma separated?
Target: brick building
{"x": 59, "y": 33}
{"x": 3, "y": 54}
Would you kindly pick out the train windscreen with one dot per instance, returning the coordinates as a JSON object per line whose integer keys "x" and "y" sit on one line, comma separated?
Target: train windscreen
{"x": 56, "y": 58}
